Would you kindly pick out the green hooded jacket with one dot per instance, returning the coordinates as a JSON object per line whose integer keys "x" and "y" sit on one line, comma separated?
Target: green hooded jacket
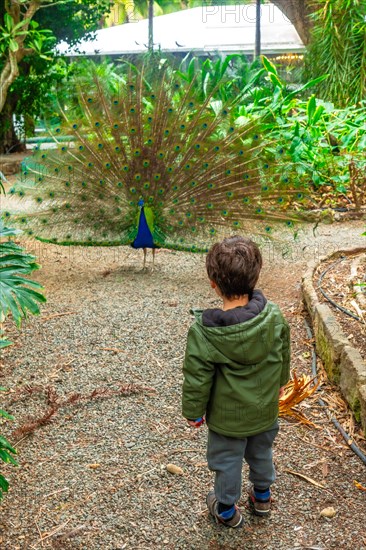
{"x": 233, "y": 369}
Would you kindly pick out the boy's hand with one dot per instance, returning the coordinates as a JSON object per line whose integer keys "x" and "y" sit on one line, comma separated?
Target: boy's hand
{"x": 282, "y": 391}
{"x": 196, "y": 423}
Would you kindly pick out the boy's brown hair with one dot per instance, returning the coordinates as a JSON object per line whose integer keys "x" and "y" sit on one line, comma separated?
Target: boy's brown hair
{"x": 234, "y": 265}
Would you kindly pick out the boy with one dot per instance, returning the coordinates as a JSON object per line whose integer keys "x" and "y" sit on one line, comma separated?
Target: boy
{"x": 237, "y": 360}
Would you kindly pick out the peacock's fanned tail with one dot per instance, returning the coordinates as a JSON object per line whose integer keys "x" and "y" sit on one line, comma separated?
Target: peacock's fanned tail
{"x": 192, "y": 165}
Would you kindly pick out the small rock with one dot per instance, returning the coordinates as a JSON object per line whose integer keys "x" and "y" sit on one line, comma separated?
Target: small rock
{"x": 329, "y": 512}
{"x": 173, "y": 469}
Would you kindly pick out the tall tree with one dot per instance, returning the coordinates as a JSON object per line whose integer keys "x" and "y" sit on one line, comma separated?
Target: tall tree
{"x": 338, "y": 48}
{"x": 298, "y": 12}
{"x": 17, "y": 16}
{"x": 27, "y": 32}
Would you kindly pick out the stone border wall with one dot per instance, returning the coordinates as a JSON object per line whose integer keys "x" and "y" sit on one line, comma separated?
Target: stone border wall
{"x": 341, "y": 360}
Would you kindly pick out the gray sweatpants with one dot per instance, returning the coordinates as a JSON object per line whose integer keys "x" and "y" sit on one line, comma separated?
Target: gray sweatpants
{"x": 225, "y": 457}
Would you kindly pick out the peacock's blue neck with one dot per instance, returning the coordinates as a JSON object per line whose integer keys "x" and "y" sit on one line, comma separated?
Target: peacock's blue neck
{"x": 144, "y": 238}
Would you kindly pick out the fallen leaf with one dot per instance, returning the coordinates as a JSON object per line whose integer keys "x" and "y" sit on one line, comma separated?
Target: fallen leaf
{"x": 94, "y": 466}
{"x": 325, "y": 469}
{"x": 359, "y": 486}
{"x": 329, "y": 512}
{"x": 309, "y": 479}
{"x": 173, "y": 469}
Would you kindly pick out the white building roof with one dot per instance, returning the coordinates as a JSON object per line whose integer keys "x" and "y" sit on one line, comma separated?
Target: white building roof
{"x": 228, "y": 29}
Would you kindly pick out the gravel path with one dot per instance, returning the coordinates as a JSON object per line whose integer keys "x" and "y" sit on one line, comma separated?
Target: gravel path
{"x": 95, "y": 478}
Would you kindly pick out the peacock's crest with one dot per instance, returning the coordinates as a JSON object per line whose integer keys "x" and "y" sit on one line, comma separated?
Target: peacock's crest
{"x": 152, "y": 149}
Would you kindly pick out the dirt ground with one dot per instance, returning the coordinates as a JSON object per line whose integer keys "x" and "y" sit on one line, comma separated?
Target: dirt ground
{"x": 95, "y": 477}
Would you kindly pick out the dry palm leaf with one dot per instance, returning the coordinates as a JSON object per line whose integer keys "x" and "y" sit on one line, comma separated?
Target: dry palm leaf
{"x": 306, "y": 478}
{"x": 295, "y": 391}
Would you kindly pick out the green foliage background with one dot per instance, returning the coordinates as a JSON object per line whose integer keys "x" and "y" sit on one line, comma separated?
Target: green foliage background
{"x": 338, "y": 48}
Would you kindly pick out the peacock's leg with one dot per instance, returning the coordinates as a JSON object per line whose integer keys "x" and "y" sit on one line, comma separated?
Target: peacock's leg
{"x": 144, "y": 264}
{"x": 153, "y": 261}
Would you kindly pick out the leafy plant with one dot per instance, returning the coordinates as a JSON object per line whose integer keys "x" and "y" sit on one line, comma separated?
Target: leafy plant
{"x": 6, "y": 454}
{"x": 228, "y": 75}
{"x": 292, "y": 121}
{"x": 312, "y": 142}
{"x": 17, "y": 294}
{"x": 19, "y": 38}
{"x": 11, "y": 31}
{"x": 338, "y": 48}
{"x": 318, "y": 144}
{"x": 30, "y": 30}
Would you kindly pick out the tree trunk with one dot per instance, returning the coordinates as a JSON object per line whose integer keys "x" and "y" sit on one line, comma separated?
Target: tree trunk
{"x": 13, "y": 56}
{"x": 9, "y": 142}
{"x": 298, "y": 11}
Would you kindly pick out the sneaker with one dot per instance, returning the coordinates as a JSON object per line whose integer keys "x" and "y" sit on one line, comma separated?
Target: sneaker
{"x": 259, "y": 507}
{"x": 212, "y": 505}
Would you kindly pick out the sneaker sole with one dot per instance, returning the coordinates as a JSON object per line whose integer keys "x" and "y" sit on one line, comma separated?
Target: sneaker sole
{"x": 260, "y": 513}
{"x": 220, "y": 521}
{"x": 236, "y": 526}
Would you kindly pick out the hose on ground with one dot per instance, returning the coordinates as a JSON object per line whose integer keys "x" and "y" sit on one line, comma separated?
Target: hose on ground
{"x": 327, "y": 297}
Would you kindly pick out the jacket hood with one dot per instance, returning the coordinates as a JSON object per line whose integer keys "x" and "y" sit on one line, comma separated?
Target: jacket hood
{"x": 219, "y": 318}
{"x": 243, "y": 334}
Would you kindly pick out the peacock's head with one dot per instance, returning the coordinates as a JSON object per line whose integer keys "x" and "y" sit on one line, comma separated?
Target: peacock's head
{"x": 141, "y": 203}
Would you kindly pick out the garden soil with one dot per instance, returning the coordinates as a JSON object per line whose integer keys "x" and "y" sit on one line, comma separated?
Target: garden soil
{"x": 110, "y": 342}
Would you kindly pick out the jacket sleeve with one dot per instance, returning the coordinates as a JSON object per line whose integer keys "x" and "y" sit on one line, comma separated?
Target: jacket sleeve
{"x": 198, "y": 373}
{"x": 286, "y": 353}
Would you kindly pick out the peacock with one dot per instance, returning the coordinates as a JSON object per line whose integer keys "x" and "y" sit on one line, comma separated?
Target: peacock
{"x": 151, "y": 165}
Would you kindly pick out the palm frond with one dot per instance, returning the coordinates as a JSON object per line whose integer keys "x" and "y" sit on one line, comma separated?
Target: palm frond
{"x": 297, "y": 390}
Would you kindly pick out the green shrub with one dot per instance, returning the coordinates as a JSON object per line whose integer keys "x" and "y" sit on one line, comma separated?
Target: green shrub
{"x": 320, "y": 143}
{"x": 17, "y": 297}
{"x": 6, "y": 454}
{"x": 17, "y": 294}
